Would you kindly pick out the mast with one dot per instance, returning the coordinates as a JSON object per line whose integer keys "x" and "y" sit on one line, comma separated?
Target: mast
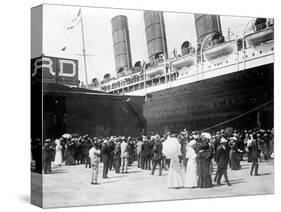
{"x": 84, "y": 50}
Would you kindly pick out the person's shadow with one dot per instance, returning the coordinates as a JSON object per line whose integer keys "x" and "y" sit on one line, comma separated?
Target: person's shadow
{"x": 263, "y": 174}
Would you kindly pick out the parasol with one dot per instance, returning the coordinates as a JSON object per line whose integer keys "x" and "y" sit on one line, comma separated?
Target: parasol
{"x": 171, "y": 148}
{"x": 206, "y": 135}
{"x": 228, "y": 132}
{"x": 66, "y": 135}
{"x": 57, "y": 141}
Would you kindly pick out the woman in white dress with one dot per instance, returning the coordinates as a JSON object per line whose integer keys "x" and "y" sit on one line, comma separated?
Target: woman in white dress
{"x": 191, "y": 178}
{"x": 58, "y": 156}
{"x": 172, "y": 150}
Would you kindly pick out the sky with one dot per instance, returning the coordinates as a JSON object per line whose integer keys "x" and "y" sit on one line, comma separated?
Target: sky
{"x": 98, "y": 35}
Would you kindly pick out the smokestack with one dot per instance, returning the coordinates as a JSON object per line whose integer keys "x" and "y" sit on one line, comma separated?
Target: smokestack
{"x": 155, "y": 34}
{"x": 121, "y": 45}
{"x": 205, "y": 25}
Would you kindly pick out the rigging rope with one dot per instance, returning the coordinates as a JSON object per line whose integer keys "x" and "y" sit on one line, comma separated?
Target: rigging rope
{"x": 237, "y": 117}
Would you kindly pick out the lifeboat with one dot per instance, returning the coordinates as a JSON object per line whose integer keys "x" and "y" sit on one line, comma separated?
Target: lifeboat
{"x": 259, "y": 37}
{"x": 184, "y": 61}
{"x": 219, "y": 50}
{"x": 155, "y": 72}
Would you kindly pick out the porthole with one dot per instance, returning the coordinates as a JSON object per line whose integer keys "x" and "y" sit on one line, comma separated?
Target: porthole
{"x": 253, "y": 54}
{"x": 260, "y": 51}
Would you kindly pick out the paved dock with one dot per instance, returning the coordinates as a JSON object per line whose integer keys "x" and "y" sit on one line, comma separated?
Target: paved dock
{"x": 70, "y": 186}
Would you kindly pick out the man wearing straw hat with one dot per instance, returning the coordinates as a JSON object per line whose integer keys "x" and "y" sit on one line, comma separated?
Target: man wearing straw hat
{"x": 157, "y": 155}
{"x": 124, "y": 155}
{"x": 94, "y": 154}
{"x": 222, "y": 159}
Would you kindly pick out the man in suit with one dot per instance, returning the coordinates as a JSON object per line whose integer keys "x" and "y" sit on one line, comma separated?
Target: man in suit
{"x": 124, "y": 155}
{"x": 150, "y": 155}
{"x": 139, "y": 148}
{"x": 117, "y": 155}
{"x": 157, "y": 155}
{"x": 254, "y": 151}
{"x": 111, "y": 147}
{"x": 46, "y": 156}
{"x": 105, "y": 152}
{"x": 85, "y": 150}
{"x": 142, "y": 153}
{"x": 36, "y": 146}
{"x": 94, "y": 155}
{"x": 222, "y": 158}
{"x": 146, "y": 154}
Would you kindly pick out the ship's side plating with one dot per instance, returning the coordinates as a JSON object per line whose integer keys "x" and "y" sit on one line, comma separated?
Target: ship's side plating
{"x": 241, "y": 98}
{"x": 206, "y": 103}
{"x": 221, "y": 80}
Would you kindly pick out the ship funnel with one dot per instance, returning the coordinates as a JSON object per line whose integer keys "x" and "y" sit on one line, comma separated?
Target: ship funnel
{"x": 205, "y": 25}
{"x": 121, "y": 45}
{"x": 155, "y": 34}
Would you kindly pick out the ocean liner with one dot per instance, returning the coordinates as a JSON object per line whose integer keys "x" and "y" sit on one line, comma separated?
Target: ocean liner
{"x": 217, "y": 82}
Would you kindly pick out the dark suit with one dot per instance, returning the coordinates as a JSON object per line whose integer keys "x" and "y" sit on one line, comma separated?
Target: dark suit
{"x": 85, "y": 150}
{"x": 216, "y": 145}
{"x": 142, "y": 153}
{"x": 157, "y": 157}
{"x": 254, "y": 151}
{"x": 111, "y": 159}
{"x": 222, "y": 159}
{"x": 117, "y": 157}
{"x": 46, "y": 158}
{"x": 147, "y": 152}
{"x": 106, "y": 155}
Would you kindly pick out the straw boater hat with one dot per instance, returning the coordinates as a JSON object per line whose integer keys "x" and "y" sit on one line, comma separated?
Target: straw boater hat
{"x": 223, "y": 140}
{"x": 144, "y": 138}
{"x": 233, "y": 138}
{"x": 192, "y": 143}
{"x": 206, "y": 135}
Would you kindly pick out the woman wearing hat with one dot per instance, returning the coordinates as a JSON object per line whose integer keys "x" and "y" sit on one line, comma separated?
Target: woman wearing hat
{"x": 191, "y": 178}
{"x": 58, "y": 156}
{"x": 234, "y": 159}
{"x": 172, "y": 150}
{"x": 204, "y": 159}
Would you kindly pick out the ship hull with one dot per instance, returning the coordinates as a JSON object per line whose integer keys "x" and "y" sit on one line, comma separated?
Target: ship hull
{"x": 242, "y": 99}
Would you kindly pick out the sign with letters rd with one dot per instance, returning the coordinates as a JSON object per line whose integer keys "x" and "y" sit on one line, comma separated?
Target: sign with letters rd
{"x": 54, "y": 70}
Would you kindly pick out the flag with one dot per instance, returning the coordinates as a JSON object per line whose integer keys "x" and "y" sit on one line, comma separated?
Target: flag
{"x": 77, "y": 16}
{"x": 70, "y": 27}
{"x": 75, "y": 21}
{"x": 79, "y": 12}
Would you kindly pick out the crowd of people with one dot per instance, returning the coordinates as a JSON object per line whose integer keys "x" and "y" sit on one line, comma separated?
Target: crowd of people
{"x": 189, "y": 157}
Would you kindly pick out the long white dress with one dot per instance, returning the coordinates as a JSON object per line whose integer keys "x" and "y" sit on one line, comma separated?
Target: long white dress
{"x": 58, "y": 156}
{"x": 175, "y": 178}
{"x": 191, "y": 178}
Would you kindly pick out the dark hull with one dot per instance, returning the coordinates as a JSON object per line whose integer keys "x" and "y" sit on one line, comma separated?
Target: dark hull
{"x": 76, "y": 111}
{"x": 203, "y": 104}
